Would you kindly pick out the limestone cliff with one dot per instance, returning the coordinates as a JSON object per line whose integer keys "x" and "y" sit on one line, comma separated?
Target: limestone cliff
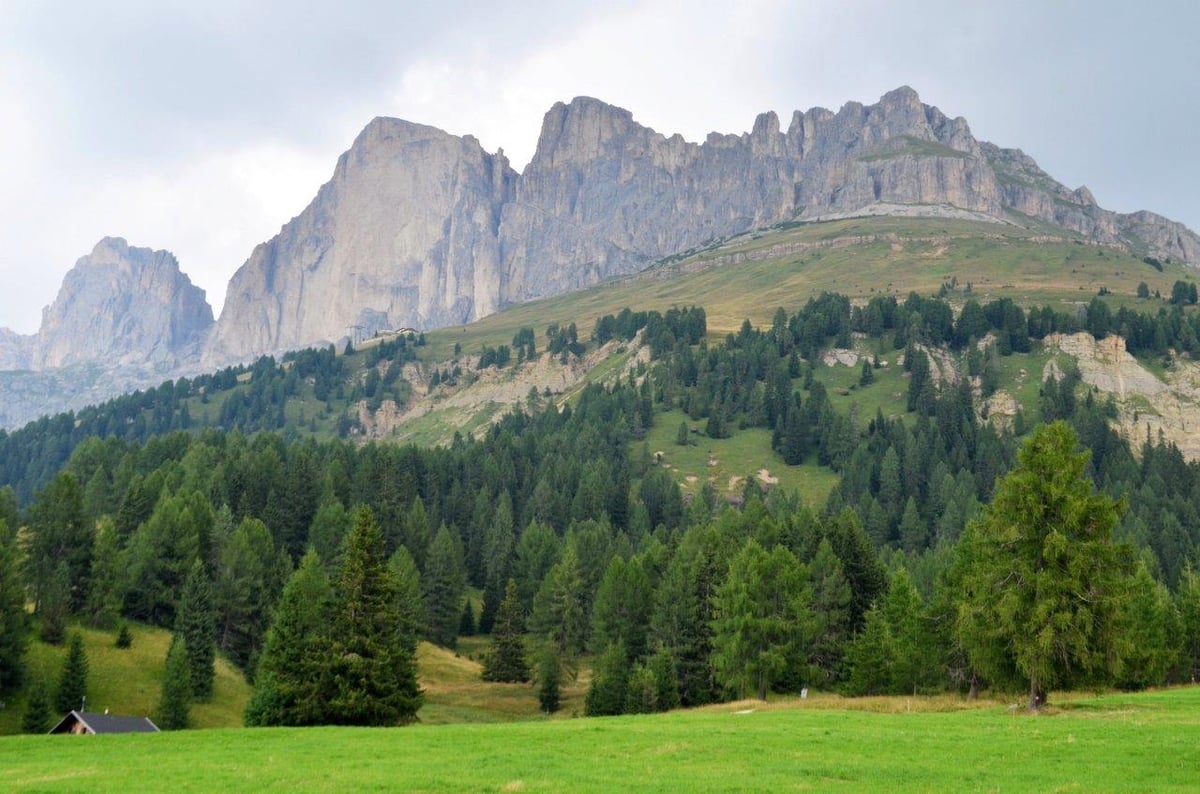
{"x": 404, "y": 234}
{"x": 123, "y": 305}
{"x": 421, "y": 228}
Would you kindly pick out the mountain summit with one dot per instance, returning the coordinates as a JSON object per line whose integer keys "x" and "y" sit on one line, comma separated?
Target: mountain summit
{"x": 424, "y": 229}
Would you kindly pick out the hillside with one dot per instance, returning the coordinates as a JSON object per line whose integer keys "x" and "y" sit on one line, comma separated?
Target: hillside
{"x": 1091, "y": 743}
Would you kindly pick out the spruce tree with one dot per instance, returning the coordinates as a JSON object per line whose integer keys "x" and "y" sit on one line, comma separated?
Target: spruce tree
{"x": 870, "y": 656}
{"x": 106, "y": 591}
{"x": 55, "y": 605}
{"x": 506, "y": 660}
{"x": 72, "y": 684}
{"x": 195, "y": 623}
{"x": 409, "y": 601}
{"x": 466, "y": 623}
{"x": 372, "y": 675}
{"x": 174, "y": 704}
{"x": 13, "y": 634}
{"x": 610, "y": 679}
{"x": 124, "y": 637}
{"x": 549, "y": 680}
{"x": 37, "y": 718}
{"x": 443, "y": 583}
{"x": 294, "y": 656}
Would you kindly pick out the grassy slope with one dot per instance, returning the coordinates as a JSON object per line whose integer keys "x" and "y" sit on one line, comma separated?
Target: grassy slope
{"x": 1115, "y": 743}
{"x": 129, "y": 681}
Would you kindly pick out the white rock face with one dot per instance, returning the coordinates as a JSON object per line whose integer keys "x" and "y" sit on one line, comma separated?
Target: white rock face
{"x": 421, "y": 228}
{"x": 405, "y": 234}
{"x": 120, "y": 306}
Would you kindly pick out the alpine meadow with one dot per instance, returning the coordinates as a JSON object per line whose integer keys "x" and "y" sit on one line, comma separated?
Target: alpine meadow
{"x": 853, "y": 452}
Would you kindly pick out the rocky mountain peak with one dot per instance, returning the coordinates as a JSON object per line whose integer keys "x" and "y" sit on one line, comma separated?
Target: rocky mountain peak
{"x": 122, "y": 305}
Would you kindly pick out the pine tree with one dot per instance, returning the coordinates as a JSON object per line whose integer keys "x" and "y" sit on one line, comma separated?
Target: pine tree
{"x": 72, "y": 684}
{"x": 37, "y": 718}
{"x": 174, "y": 704}
{"x": 195, "y": 623}
{"x": 1149, "y": 624}
{"x": 295, "y": 653}
{"x": 506, "y": 660}
{"x": 549, "y": 680}
{"x": 372, "y": 675}
{"x": 13, "y": 629}
{"x": 443, "y": 583}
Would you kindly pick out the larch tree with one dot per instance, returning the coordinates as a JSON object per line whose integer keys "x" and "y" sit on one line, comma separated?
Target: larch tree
{"x": 1044, "y": 584}
{"x": 763, "y": 621}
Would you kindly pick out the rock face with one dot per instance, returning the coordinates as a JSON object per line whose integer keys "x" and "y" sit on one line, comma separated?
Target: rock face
{"x": 405, "y": 234}
{"x": 122, "y": 305}
{"x": 421, "y": 228}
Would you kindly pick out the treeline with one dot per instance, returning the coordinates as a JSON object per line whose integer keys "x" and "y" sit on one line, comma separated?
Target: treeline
{"x": 604, "y": 555}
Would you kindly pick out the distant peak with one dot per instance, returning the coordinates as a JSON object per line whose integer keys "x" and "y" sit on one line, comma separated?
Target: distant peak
{"x": 904, "y": 95}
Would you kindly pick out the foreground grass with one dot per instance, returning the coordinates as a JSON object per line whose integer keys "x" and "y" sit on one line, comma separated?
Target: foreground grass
{"x": 1113, "y": 743}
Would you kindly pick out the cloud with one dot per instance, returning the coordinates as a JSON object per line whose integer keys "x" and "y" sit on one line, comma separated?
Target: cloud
{"x": 203, "y": 127}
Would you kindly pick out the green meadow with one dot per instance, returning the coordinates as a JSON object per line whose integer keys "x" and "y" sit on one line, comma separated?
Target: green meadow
{"x": 1142, "y": 742}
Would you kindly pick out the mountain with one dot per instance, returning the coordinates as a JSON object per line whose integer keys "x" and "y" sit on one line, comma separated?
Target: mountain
{"x": 424, "y": 229}
{"x": 406, "y": 233}
{"x": 123, "y": 318}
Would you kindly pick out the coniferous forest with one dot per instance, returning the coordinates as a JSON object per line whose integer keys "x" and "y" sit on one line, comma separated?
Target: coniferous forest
{"x": 954, "y": 554}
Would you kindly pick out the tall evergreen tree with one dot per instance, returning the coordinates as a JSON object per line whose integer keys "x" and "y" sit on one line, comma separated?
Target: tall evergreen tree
{"x": 831, "y": 608}
{"x": 622, "y": 609}
{"x": 55, "y": 605}
{"x": 73, "y": 682}
{"x": 37, "y": 718}
{"x": 1045, "y": 584}
{"x": 870, "y": 655}
{"x": 106, "y": 592}
{"x": 287, "y": 682}
{"x": 549, "y": 679}
{"x": 59, "y": 534}
{"x": 610, "y": 678}
{"x": 763, "y": 620}
{"x": 506, "y": 660}
{"x": 558, "y": 612}
{"x": 13, "y": 628}
{"x": 1150, "y": 627}
{"x": 196, "y": 625}
{"x": 247, "y": 582}
{"x": 409, "y": 601}
{"x": 372, "y": 676}
{"x": 174, "y": 704}
{"x": 443, "y": 584}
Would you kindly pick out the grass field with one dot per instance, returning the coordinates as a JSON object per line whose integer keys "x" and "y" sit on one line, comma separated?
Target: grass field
{"x": 1144, "y": 742}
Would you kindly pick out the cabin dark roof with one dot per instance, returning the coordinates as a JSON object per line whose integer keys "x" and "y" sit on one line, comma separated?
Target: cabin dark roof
{"x": 104, "y": 723}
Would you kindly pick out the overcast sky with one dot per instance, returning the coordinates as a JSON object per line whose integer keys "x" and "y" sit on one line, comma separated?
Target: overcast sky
{"x": 202, "y": 127}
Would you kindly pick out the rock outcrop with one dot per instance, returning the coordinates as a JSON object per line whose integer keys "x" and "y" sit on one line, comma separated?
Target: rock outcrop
{"x": 123, "y": 305}
{"x": 421, "y": 228}
{"x": 405, "y": 234}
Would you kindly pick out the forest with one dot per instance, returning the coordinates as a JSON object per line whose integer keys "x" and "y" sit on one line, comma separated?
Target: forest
{"x": 582, "y": 550}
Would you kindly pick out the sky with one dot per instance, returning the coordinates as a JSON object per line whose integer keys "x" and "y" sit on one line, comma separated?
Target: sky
{"x": 203, "y": 127}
